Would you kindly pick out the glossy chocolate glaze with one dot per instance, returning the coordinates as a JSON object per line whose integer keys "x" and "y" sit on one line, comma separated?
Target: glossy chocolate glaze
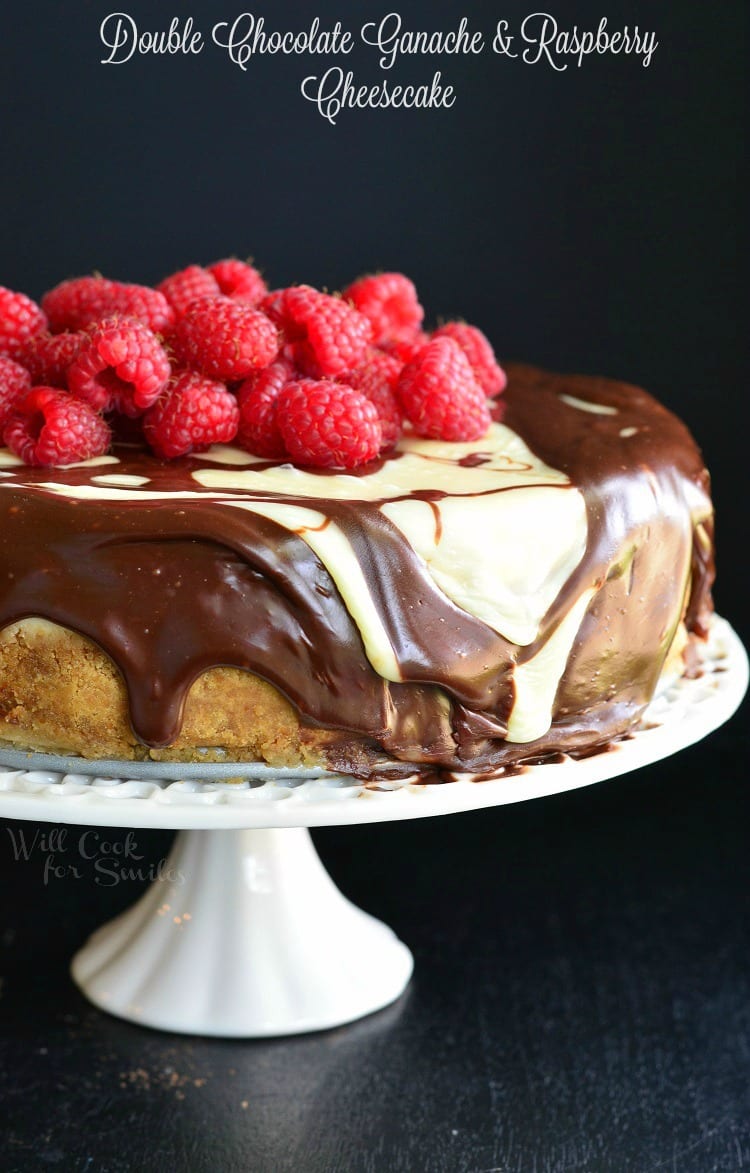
{"x": 171, "y": 589}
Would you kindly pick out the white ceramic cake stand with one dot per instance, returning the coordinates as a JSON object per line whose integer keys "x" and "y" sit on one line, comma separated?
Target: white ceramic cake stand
{"x": 245, "y": 934}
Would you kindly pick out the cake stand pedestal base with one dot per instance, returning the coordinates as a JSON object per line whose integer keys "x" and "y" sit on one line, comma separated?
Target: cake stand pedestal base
{"x": 243, "y": 934}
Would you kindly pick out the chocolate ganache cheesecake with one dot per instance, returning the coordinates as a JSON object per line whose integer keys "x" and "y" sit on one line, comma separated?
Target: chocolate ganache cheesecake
{"x": 449, "y": 606}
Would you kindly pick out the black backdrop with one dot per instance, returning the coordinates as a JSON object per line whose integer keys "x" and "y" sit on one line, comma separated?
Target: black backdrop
{"x": 588, "y": 219}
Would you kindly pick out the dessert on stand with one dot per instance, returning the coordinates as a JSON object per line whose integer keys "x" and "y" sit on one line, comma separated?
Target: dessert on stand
{"x": 276, "y": 559}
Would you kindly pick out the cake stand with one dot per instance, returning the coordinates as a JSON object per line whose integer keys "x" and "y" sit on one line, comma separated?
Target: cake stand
{"x": 244, "y": 934}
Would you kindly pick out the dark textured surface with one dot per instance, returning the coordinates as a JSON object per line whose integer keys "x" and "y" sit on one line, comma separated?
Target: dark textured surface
{"x": 581, "y": 1002}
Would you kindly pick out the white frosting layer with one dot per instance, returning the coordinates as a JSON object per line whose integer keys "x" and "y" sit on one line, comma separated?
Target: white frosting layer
{"x": 423, "y": 464}
{"x": 503, "y": 558}
{"x": 536, "y": 681}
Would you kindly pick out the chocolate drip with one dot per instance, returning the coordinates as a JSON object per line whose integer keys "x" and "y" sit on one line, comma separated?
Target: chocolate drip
{"x": 641, "y": 489}
{"x": 169, "y": 592}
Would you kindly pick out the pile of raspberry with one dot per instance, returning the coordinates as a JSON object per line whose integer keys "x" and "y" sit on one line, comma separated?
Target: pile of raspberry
{"x": 211, "y": 356}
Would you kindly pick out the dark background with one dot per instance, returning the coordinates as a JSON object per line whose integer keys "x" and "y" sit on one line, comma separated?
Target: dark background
{"x": 581, "y": 995}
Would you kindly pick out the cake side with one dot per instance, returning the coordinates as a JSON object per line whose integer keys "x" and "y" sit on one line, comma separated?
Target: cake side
{"x": 60, "y": 693}
{"x": 519, "y": 599}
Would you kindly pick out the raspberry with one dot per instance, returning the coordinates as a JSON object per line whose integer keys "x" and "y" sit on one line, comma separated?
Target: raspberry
{"x": 20, "y": 320}
{"x": 478, "y": 349}
{"x": 328, "y": 425}
{"x": 193, "y": 414}
{"x": 147, "y": 305}
{"x": 186, "y": 286}
{"x": 121, "y": 366}
{"x": 272, "y": 305}
{"x": 225, "y": 339}
{"x": 390, "y": 415}
{"x": 389, "y": 301}
{"x": 259, "y": 430}
{"x": 51, "y": 427}
{"x": 85, "y": 301}
{"x": 240, "y": 280}
{"x": 75, "y": 304}
{"x": 440, "y": 395}
{"x": 377, "y": 379}
{"x": 376, "y": 365}
{"x": 327, "y": 335}
{"x": 15, "y": 381}
{"x": 407, "y": 349}
{"x": 48, "y": 356}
